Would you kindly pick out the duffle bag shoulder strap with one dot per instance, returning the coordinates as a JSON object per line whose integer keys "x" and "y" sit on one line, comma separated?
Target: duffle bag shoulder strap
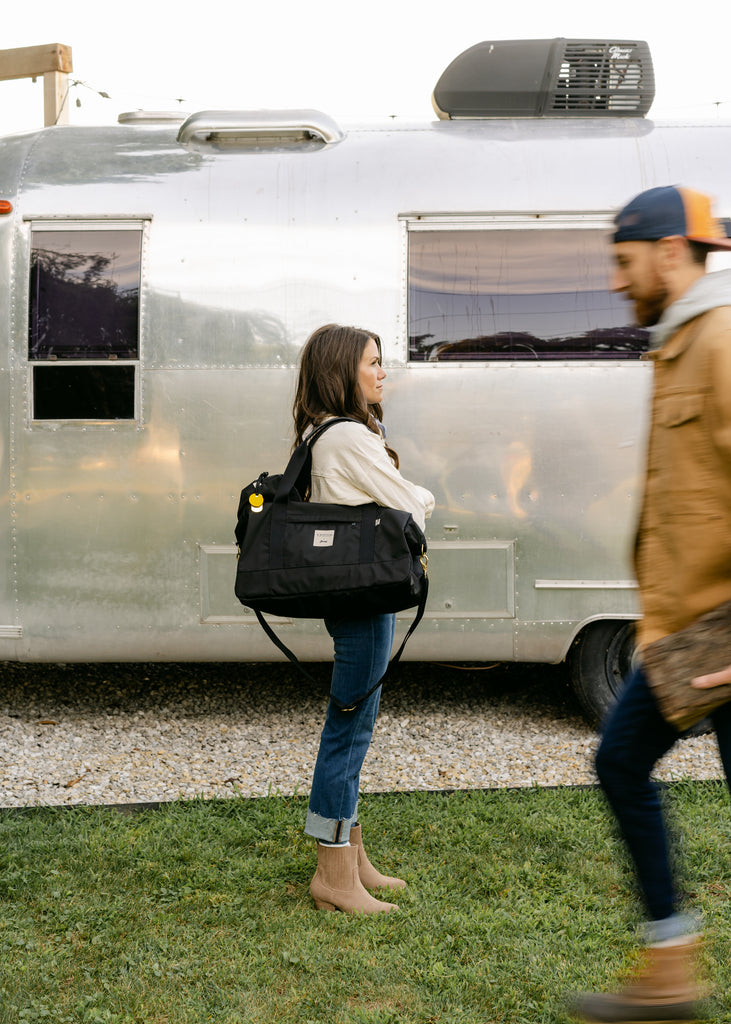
{"x": 394, "y": 660}
{"x": 299, "y": 468}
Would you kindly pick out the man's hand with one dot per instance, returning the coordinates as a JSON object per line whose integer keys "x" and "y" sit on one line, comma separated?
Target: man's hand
{"x": 714, "y": 679}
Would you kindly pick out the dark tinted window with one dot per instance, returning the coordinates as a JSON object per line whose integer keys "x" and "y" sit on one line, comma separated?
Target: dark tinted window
{"x": 84, "y": 305}
{"x": 516, "y": 294}
{"x": 73, "y": 392}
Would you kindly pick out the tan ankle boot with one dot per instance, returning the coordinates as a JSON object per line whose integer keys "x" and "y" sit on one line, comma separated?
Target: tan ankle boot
{"x": 666, "y": 990}
{"x": 336, "y": 885}
{"x": 371, "y": 878}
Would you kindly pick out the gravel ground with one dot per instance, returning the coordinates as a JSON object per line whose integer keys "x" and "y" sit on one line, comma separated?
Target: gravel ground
{"x": 115, "y": 734}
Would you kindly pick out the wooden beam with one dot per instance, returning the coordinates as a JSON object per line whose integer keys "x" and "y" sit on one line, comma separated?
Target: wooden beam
{"x": 33, "y": 61}
{"x": 54, "y": 63}
{"x": 55, "y": 98}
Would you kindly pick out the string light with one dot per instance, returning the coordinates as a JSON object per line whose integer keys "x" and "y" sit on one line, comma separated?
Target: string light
{"x": 77, "y": 83}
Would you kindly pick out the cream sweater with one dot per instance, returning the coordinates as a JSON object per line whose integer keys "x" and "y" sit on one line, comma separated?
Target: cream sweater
{"x": 350, "y": 466}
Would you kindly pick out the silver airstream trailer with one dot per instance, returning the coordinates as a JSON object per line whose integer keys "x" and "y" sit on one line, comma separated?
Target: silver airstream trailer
{"x": 160, "y": 277}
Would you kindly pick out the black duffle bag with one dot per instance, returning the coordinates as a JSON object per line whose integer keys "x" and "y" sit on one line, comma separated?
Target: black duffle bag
{"x": 304, "y": 559}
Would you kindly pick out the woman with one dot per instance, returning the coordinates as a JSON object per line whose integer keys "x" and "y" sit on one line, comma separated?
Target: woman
{"x": 341, "y": 375}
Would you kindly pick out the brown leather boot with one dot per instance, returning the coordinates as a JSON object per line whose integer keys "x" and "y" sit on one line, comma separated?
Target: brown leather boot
{"x": 336, "y": 885}
{"x": 371, "y": 878}
{"x": 665, "y": 990}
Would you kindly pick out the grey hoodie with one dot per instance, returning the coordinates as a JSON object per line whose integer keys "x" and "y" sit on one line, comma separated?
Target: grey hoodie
{"x": 706, "y": 293}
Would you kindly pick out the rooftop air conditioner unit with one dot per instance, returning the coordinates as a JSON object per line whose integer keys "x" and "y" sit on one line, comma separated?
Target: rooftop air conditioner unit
{"x": 548, "y": 78}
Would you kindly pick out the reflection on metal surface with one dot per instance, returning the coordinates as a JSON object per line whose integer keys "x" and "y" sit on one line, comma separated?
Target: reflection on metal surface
{"x": 116, "y": 534}
{"x": 516, "y": 466}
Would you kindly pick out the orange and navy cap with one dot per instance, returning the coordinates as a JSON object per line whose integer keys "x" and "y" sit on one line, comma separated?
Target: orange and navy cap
{"x": 670, "y": 210}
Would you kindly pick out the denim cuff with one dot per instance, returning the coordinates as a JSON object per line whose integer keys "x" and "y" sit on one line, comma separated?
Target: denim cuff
{"x": 671, "y": 929}
{"x": 332, "y": 830}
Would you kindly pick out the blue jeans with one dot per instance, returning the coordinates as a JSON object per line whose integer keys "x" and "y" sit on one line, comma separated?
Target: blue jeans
{"x": 635, "y": 737}
{"x": 362, "y": 650}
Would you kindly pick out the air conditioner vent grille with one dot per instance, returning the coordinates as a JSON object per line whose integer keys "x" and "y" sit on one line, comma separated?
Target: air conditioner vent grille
{"x": 608, "y": 76}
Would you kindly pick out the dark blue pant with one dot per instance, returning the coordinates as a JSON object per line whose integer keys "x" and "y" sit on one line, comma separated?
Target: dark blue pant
{"x": 635, "y": 737}
{"x": 362, "y": 648}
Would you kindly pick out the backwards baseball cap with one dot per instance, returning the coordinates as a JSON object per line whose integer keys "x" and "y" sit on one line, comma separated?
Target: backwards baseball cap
{"x": 670, "y": 210}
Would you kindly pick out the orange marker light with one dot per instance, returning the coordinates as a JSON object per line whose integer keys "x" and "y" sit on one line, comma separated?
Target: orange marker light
{"x": 5, "y": 206}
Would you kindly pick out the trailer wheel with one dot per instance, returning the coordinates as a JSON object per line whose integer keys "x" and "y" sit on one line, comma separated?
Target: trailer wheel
{"x": 600, "y": 661}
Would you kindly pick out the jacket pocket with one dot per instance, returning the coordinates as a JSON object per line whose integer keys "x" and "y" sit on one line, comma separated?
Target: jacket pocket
{"x": 674, "y": 410}
{"x": 681, "y": 457}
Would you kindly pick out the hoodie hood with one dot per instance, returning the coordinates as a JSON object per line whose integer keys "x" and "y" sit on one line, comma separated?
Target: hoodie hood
{"x": 706, "y": 293}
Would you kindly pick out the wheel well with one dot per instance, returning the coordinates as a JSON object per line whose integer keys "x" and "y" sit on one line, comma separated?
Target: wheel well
{"x": 600, "y": 659}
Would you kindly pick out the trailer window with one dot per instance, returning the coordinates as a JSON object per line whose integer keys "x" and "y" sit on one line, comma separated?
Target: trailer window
{"x": 83, "y": 339}
{"x": 517, "y": 293}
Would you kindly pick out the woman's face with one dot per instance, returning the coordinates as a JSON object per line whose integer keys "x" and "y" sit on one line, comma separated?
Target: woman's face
{"x": 371, "y": 374}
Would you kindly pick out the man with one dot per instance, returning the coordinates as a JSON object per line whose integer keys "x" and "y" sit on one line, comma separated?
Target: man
{"x": 682, "y": 557}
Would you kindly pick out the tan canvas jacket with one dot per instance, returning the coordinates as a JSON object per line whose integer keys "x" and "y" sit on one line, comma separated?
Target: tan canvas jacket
{"x": 683, "y": 542}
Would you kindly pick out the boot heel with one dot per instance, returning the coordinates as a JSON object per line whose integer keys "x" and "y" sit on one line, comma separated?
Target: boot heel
{"x": 324, "y": 905}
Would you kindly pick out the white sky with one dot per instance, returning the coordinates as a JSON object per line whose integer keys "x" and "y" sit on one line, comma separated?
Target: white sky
{"x": 352, "y": 61}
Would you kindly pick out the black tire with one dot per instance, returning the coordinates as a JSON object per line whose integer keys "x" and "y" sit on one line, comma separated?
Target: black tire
{"x": 600, "y": 661}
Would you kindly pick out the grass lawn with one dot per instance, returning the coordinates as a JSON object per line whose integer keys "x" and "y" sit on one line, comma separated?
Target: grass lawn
{"x": 200, "y": 911}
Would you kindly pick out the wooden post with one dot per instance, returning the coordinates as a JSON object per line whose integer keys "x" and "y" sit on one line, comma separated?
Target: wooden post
{"x": 54, "y": 63}
{"x": 55, "y": 98}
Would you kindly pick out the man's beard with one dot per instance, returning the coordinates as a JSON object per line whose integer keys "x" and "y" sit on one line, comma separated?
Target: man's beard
{"x": 650, "y": 308}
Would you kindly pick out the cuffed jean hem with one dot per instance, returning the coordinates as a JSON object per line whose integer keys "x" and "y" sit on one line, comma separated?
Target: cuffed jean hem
{"x": 329, "y": 829}
{"x": 670, "y": 929}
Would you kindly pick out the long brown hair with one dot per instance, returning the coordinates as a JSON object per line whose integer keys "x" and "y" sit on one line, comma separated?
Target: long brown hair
{"x": 328, "y": 380}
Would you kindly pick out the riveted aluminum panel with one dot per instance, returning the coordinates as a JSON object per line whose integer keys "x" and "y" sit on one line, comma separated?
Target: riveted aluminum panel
{"x": 116, "y": 536}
